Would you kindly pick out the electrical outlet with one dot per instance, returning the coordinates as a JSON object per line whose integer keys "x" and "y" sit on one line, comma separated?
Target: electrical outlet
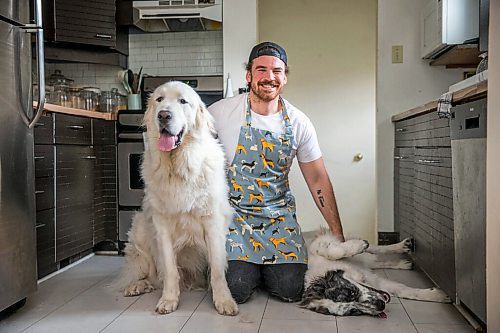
{"x": 397, "y": 54}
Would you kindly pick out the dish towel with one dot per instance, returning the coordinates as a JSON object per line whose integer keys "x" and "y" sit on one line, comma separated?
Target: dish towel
{"x": 444, "y": 105}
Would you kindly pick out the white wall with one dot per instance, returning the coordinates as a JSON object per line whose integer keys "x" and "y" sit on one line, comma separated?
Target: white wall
{"x": 493, "y": 173}
{"x": 331, "y": 50}
{"x": 400, "y": 87}
{"x": 240, "y": 35}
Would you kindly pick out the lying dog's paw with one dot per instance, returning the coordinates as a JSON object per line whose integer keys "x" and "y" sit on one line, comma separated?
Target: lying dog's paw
{"x": 226, "y": 306}
{"x": 406, "y": 245}
{"x": 436, "y": 295}
{"x": 357, "y": 245}
{"x": 138, "y": 288}
{"x": 167, "y": 305}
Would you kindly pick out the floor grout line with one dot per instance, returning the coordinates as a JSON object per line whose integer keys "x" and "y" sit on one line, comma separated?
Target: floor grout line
{"x": 69, "y": 300}
{"x": 192, "y": 313}
{"x": 409, "y": 317}
{"x": 263, "y": 313}
{"x": 114, "y": 319}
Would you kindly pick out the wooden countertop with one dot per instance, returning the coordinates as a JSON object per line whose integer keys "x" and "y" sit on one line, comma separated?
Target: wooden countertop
{"x": 79, "y": 112}
{"x": 477, "y": 90}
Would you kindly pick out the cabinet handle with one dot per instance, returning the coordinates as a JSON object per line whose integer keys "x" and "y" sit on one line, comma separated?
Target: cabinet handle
{"x": 39, "y": 124}
{"x": 75, "y": 127}
{"x": 39, "y": 192}
{"x": 103, "y": 36}
{"x": 401, "y": 129}
{"x": 39, "y": 225}
{"x": 400, "y": 157}
{"x": 429, "y": 161}
{"x": 89, "y": 157}
{"x": 39, "y": 158}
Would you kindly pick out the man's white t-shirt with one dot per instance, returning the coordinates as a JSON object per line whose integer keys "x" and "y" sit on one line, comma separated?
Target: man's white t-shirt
{"x": 229, "y": 115}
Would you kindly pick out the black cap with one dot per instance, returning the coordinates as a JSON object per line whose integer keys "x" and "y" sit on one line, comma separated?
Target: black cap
{"x": 269, "y": 49}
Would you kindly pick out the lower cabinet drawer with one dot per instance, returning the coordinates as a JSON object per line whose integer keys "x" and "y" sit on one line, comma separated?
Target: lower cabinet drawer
{"x": 72, "y": 130}
{"x": 44, "y": 193}
{"x": 45, "y": 242}
{"x": 44, "y": 161}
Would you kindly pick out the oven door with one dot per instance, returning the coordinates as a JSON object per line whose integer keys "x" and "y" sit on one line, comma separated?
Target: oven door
{"x": 130, "y": 183}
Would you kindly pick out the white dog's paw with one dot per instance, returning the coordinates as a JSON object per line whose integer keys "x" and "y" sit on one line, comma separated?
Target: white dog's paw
{"x": 436, "y": 295}
{"x": 357, "y": 246}
{"x": 138, "y": 288}
{"x": 226, "y": 306}
{"x": 406, "y": 245}
{"x": 167, "y": 305}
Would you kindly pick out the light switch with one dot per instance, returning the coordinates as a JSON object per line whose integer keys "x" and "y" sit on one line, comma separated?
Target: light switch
{"x": 397, "y": 54}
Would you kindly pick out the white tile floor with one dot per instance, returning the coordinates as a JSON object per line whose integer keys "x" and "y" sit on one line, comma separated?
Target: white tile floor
{"x": 81, "y": 300}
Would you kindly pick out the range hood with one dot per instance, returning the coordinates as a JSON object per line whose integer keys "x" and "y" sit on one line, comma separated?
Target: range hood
{"x": 177, "y": 15}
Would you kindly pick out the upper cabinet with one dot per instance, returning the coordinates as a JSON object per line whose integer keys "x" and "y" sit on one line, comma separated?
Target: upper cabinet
{"x": 89, "y": 22}
{"x": 451, "y": 34}
{"x": 84, "y": 31}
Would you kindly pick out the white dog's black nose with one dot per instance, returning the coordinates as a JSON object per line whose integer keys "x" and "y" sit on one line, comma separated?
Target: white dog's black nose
{"x": 164, "y": 116}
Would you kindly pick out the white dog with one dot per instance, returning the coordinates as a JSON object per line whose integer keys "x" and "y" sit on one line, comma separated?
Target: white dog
{"x": 180, "y": 233}
{"x": 339, "y": 280}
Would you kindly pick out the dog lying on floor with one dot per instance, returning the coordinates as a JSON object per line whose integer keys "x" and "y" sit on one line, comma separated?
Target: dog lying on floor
{"x": 339, "y": 280}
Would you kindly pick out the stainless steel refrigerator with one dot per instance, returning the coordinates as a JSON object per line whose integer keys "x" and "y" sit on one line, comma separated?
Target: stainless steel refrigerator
{"x": 18, "y": 276}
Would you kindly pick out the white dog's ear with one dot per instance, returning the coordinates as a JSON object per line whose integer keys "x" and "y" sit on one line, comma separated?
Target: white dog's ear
{"x": 204, "y": 119}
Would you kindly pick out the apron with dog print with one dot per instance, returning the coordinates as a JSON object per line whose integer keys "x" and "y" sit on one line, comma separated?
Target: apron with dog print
{"x": 264, "y": 229}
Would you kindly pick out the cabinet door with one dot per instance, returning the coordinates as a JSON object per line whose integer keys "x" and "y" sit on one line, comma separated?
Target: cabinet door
{"x": 404, "y": 175}
{"x": 434, "y": 239}
{"x": 45, "y": 242}
{"x": 82, "y": 22}
{"x": 74, "y": 199}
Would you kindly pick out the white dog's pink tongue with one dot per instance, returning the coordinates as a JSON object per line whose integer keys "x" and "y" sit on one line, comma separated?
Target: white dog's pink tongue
{"x": 166, "y": 142}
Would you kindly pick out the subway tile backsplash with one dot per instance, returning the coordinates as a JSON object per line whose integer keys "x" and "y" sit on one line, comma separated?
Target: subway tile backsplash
{"x": 101, "y": 76}
{"x": 177, "y": 53}
{"x": 169, "y": 53}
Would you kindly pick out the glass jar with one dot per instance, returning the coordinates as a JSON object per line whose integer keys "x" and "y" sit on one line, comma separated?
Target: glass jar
{"x": 57, "y": 78}
{"x": 107, "y": 102}
{"x": 121, "y": 100}
{"x": 61, "y": 95}
{"x": 88, "y": 100}
{"x": 74, "y": 96}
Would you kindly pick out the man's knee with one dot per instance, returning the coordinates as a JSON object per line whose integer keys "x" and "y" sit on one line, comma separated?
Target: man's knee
{"x": 285, "y": 281}
{"x": 242, "y": 279}
{"x": 289, "y": 292}
{"x": 240, "y": 290}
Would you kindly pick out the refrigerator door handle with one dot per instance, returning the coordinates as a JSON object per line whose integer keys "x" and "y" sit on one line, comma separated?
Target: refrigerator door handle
{"x": 40, "y": 57}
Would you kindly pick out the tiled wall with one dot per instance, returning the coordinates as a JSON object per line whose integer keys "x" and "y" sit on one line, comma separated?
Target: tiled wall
{"x": 177, "y": 53}
{"x": 170, "y": 53}
{"x": 101, "y": 76}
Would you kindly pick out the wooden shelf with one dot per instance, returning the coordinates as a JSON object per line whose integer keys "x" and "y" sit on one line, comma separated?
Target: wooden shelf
{"x": 79, "y": 112}
{"x": 460, "y": 56}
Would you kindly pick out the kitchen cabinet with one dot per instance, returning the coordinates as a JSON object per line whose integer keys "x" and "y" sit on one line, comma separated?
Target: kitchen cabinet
{"x": 75, "y": 182}
{"x": 80, "y": 22}
{"x": 44, "y": 196}
{"x": 424, "y": 196}
{"x": 105, "y": 184}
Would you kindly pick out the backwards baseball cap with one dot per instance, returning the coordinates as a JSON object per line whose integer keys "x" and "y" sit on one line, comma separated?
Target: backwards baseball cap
{"x": 269, "y": 49}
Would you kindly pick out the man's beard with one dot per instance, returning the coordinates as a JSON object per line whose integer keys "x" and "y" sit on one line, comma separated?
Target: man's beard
{"x": 265, "y": 96}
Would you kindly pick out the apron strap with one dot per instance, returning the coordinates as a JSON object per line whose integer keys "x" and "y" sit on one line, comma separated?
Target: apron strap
{"x": 287, "y": 125}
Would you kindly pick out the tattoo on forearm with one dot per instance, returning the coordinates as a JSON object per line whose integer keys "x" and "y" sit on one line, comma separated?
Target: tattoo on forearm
{"x": 321, "y": 198}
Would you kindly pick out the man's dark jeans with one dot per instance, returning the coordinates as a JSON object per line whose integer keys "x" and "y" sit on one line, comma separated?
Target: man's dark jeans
{"x": 284, "y": 281}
